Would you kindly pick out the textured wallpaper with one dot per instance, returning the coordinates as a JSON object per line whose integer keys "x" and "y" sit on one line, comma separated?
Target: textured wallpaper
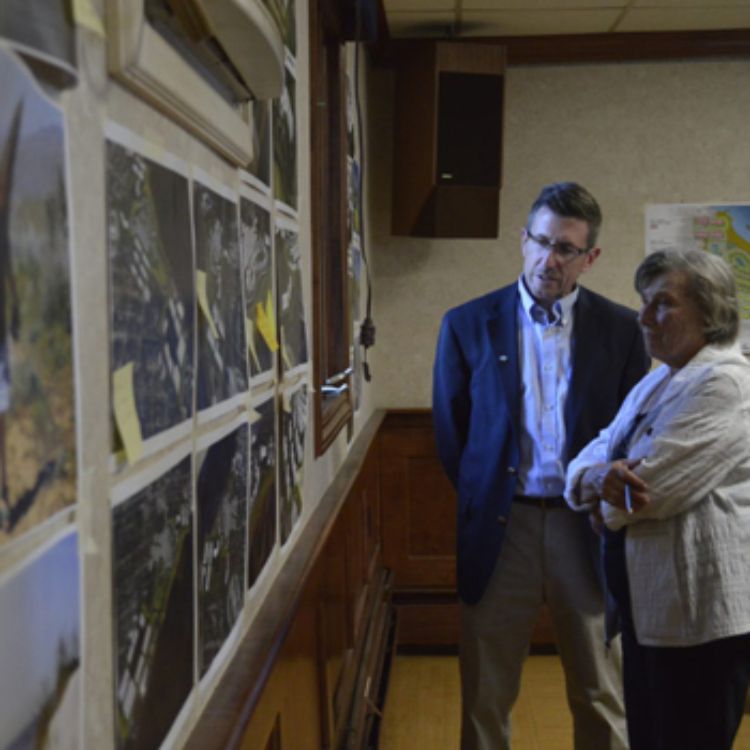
{"x": 633, "y": 134}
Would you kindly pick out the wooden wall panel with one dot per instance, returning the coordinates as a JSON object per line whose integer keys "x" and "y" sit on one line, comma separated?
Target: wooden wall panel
{"x": 321, "y": 687}
{"x": 418, "y": 505}
{"x": 288, "y": 714}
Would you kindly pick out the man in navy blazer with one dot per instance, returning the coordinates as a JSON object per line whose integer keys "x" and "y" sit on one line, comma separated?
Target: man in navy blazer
{"x": 524, "y": 377}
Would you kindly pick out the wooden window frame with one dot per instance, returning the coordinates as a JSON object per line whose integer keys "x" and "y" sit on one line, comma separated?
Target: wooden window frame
{"x": 331, "y": 315}
{"x": 145, "y": 62}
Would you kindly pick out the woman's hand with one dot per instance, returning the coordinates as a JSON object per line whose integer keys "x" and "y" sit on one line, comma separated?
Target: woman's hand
{"x": 617, "y": 484}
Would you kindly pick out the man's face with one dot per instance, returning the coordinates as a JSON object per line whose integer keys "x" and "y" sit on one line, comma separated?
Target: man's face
{"x": 671, "y": 320}
{"x": 551, "y": 272}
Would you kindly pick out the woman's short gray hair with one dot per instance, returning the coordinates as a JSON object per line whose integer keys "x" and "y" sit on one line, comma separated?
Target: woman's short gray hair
{"x": 710, "y": 282}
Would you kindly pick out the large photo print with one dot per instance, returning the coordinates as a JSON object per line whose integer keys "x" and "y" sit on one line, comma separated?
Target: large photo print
{"x": 260, "y": 307}
{"x": 153, "y": 597}
{"x": 222, "y": 470}
{"x": 222, "y": 362}
{"x": 151, "y": 287}
{"x": 37, "y": 405}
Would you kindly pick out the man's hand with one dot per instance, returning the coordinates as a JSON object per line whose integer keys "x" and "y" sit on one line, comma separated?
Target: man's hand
{"x": 611, "y": 482}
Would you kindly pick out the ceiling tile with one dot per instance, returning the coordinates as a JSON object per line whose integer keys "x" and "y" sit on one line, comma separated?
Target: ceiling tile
{"x": 521, "y": 23}
{"x": 684, "y": 19}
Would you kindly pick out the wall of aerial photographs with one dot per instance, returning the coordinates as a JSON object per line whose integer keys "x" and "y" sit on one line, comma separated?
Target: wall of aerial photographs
{"x": 156, "y": 463}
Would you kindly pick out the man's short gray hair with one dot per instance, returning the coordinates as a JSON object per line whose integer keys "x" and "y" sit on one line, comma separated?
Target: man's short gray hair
{"x": 571, "y": 201}
{"x": 710, "y": 283}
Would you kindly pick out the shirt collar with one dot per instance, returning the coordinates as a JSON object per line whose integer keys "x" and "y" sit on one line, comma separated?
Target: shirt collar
{"x": 561, "y": 310}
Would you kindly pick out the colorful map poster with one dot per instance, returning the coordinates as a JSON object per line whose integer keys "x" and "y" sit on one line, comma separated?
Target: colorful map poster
{"x": 720, "y": 229}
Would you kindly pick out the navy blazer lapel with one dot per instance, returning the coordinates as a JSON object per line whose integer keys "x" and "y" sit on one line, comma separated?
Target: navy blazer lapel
{"x": 503, "y": 335}
{"x": 584, "y": 355}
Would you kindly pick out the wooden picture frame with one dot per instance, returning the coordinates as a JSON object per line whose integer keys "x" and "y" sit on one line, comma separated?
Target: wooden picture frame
{"x": 147, "y": 64}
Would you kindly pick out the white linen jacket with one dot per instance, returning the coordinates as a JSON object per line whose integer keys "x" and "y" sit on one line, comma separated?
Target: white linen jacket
{"x": 688, "y": 551}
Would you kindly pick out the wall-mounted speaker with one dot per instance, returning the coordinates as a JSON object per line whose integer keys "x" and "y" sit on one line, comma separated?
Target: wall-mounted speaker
{"x": 448, "y": 139}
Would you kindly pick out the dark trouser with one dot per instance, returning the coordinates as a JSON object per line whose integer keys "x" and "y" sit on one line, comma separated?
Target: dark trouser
{"x": 677, "y": 698}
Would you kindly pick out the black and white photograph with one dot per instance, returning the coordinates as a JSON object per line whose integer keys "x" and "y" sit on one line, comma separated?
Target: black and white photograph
{"x": 260, "y": 304}
{"x": 221, "y": 497}
{"x": 285, "y": 144}
{"x": 153, "y": 604}
{"x": 222, "y": 360}
{"x": 262, "y": 515}
{"x": 290, "y": 301}
{"x": 37, "y": 403}
{"x": 292, "y": 457}
{"x": 259, "y": 169}
{"x": 40, "y": 651}
{"x": 152, "y": 293}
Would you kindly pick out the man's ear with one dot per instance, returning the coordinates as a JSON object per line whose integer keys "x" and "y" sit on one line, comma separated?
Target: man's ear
{"x": 591, "y": 257}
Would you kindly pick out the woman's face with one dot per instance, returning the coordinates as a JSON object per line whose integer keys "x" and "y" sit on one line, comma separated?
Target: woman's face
{"x": 671, "y": 322}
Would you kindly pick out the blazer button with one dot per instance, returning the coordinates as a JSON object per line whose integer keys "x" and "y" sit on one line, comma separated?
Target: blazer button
{"x": 503, "y": 358}
{"x": 502, "y": 520}
{"x": 511, "y": 470}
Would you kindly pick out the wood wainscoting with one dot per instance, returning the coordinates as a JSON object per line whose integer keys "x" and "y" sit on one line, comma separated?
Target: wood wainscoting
{"x": 308, "y": 672}
{"x": 419, "y": 536}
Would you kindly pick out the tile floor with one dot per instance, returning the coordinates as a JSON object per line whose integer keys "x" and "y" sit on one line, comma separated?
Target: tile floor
{"x": 422, "y": 710}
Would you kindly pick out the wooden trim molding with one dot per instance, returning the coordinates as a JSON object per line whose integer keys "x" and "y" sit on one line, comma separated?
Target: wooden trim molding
{"x": 228, "y": 710}
{"x": 605, "y": 48}
{"x": 624, "y": 47}
{"x": 146, "y": 63}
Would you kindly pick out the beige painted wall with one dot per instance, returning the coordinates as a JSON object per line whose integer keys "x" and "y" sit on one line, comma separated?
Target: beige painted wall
{"x": 633, "y": 134}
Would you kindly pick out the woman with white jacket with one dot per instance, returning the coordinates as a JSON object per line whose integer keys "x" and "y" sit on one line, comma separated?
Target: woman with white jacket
{"x": 669, "y": 483}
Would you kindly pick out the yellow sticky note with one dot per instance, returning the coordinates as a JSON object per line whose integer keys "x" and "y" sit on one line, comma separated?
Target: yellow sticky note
{"x": 126, "y": 415}
{"x": 201, "y": 282}
{"x": 86, "y": 16}
{"x": 267, "y": 323}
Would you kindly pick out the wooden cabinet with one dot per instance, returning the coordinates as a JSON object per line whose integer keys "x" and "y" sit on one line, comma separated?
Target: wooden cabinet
{"x": 448, "y": 139}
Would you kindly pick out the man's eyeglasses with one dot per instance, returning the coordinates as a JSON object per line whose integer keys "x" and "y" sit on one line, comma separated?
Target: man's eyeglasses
{"x": 563, "y": 250}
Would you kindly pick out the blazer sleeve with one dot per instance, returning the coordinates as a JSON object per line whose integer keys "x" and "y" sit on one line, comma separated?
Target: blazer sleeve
{"x": 451, "y": 401}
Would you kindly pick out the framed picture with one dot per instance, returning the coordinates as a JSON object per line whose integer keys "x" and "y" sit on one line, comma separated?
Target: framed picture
{"x": 146, "y": 62}
{"x": 154, "y": 600}
{"x": 221, "y": 469}
{"x": 262, "y": 511}
{"x": 151, "y": 291}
